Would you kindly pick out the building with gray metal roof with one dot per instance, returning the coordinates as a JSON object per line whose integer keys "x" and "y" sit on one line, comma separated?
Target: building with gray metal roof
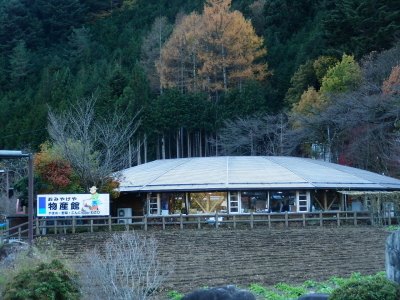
{"x": 241, "y": 184}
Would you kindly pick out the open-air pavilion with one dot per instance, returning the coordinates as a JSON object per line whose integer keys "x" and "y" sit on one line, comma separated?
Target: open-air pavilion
{"x": 245, "y": 184}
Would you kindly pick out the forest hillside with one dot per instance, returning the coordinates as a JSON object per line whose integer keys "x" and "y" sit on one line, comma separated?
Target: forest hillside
{"x": 177, "y": 78}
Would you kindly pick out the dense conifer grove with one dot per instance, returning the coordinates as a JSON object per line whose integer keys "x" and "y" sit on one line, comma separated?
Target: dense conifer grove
{"x": 313, "y": 78}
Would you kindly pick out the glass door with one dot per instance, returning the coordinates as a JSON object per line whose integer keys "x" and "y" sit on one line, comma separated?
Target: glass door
{"x": 153, "y": 204}
{"x": 234, "y": 203}
{"x": 303, "y": 201}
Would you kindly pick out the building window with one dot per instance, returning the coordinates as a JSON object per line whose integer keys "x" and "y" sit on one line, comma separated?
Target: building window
{"x": 172, "y": 203}
{"x": 208, "y": 202}
{"x": 282, "y": 201}
{"x": 253, "y": 201}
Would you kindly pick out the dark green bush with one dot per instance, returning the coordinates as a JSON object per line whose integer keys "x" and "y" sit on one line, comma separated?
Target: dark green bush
{"x": 375, "y": 288}
{"x": 47, "y": 281}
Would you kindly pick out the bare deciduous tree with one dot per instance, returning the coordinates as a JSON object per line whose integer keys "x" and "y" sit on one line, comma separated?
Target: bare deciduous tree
{"x": 357, "y": 129}
{"x": 94, "y": 146}
{"x": 255, "y": 135}
{"x": 151, "y": 51}
{"x": 126, "y": 268}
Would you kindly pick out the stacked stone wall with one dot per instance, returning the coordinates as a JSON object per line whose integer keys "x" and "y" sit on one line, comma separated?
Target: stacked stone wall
{"x": 218, "y": 257}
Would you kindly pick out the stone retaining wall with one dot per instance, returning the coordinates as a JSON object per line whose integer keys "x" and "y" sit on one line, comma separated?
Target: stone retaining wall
{"x": 218, "y": 257}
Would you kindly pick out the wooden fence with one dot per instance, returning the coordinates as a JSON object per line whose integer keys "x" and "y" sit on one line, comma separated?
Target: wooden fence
{"x": 43, "y": 226}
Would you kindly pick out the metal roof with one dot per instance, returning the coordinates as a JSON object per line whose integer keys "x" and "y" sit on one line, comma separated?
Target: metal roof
{"x": 249, "y": 172}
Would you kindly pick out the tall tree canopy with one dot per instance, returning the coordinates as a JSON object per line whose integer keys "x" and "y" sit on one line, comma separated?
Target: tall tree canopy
{"x": 212, "y": 52}
{"x": 359, "y": 27}
{"x": 344, "y": 76}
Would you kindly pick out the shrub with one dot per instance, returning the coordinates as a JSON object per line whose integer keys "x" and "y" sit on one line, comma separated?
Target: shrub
{"x": 310, "y": 284}
{"x": 20, "y": 257}
{"x": 125, "y": 267}
{"x": 290, "y": 291}
{"x": 174, "y": 295}
{"x": 257, "y": 289}
{"x": 375, "y": 288}
{"x": 45, "y": 282}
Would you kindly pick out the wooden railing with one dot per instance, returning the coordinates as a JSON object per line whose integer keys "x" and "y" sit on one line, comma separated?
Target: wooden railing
{"x": 65, "y": 225}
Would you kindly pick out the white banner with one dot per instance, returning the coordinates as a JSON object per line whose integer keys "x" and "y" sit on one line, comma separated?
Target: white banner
{"x": 61, "y": 205}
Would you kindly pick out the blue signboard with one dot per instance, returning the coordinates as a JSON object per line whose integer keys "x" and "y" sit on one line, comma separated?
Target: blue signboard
{"x": 61, "y": 205}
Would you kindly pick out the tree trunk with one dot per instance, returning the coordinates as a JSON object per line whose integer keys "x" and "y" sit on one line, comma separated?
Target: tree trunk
{"x": 216, "y": 144}
{"x": 194, "y": 74}
{"x": 139, "y": 157}
{"x": 224, "y": 68}
{"x": 158, "y": 155}
{"x": 200, "y": 145}
{"x": 163, "y": 146}
{"x": 281, "y": 137}
{"x": 129, "y": 154}
{"x": 178, "y": 135}
{"x": 188, "y": 144}
{"x": 205, "y": 145}
{"x": 169, "y": 145}
{"x": 160, "y": 56}
{"x": 145, "y": 147}
{"x": 183, "y": 142}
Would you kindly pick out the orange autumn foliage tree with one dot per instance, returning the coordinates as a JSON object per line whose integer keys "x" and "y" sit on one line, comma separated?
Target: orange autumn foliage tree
{"x": 212, "y": 52}
{"x": 230, "y": 48}
{"x": 55, "y": 173}
{"x": 179, "y": 64}
{"x": 391, "y": 86}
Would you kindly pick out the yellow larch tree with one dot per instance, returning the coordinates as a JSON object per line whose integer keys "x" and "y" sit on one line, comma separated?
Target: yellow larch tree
{"x": 213, "y": 52}
{"x": 179, "y": 64}
{"x": 229, "y": 47}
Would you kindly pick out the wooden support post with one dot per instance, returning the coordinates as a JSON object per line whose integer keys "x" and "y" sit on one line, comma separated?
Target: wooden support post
{"x": 216, "y": 220}
{"x": 198, "y": 222}
{"x": 304, "y": 220}
{"x": 319, "y": 203}
{"x": 338, "y": 218}
{"x": 234, "y": 221}
{"x": 286, "y": 220}
{"x": 109, "y": 223}
{"x": 91, "y": 225}
{"x": 330, "y": 204}
{"x": 145, "y": 223}
{"x": 321, "y": 222}
{"x": 251, "y": 220}
{"x": 73, "y": 224}
{"x": 37, "y": 226}
{"x": 163, "y": 222}
{"x": 355, "y": 218}
{"x": 181, "y": 221}
{"x": 269, "y": 221}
